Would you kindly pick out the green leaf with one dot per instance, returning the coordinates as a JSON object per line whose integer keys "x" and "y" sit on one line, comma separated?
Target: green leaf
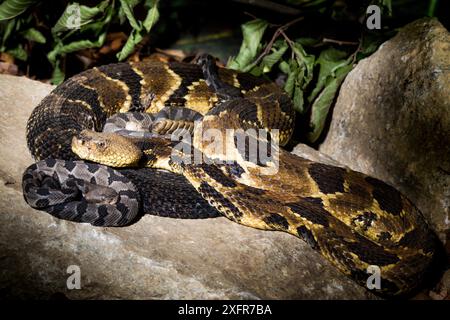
{"x": 128, "y": 11}
{"x": 329, "y": 61}
{"x": 322, "y": 104}
{"x": 307, "y": 42}
{"x": 100, "y": 25}
{"x": 294, "y": 83}
{"x": 298, "y": 100}
{"x": 334, "y": 66}
{"x": 133, "y": 39}
{"x": 257, "y": 71}
{"x": 277, "y": 52}
{"x": 252, "y": 32}
{"x": 291, "y": 69}
{"x": 35, "y": 35}
{"x": 12, "y": 8}
{"x": 18, "y": 53}
{"x": 305, "y": 61}
{"x": 387, "y": 6}
{"x": 300, "y": 72}
{"x": 7, "y": 31}
{"x": 139, "y": 27}
{"x": 284, "y": 67}
{"x": 152, "y": 17}
{"x": 92, "y": 23}
{"x": 57, "y": 75}
{"x": 75, "y": 16}
{"x": 121, "y": 13}
{"x": 62, "y": 49}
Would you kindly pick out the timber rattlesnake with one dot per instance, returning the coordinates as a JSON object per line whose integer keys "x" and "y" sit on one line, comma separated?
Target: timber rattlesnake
{"x": 353, "y": 220}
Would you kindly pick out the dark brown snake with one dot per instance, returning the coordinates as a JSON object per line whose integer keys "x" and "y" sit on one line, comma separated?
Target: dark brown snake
{"x": 353, "y": 220}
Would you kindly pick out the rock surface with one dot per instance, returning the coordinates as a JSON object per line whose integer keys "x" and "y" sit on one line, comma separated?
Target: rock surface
{"x": 156, "y": 258}
{"x": 392, "y": 118}
{"x": 304, "y": 151}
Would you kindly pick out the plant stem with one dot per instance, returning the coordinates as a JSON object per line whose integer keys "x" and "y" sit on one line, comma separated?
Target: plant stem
{"x": 339, "y": 42}
{"x": 432, "y": 7}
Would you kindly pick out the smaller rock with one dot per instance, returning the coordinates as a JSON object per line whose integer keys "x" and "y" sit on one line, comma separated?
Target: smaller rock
{"x": 304, "y": 151}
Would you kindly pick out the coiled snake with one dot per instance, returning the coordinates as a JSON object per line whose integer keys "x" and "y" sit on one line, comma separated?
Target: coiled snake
{"x": 353, "y": 220}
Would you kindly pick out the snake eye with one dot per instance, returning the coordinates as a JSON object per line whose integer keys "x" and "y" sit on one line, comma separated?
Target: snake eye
{"x": 101, "y": 144}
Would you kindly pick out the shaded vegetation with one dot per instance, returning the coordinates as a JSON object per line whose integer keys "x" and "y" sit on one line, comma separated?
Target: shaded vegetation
{"x": 306, "y": 46}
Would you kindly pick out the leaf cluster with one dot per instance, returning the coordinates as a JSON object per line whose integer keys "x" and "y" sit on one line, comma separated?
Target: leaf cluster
{"x": 78, "y": 27}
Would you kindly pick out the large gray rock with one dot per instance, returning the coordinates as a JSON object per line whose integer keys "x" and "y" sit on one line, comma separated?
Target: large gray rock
{"x": 392, "y": 118}
{"x": 154, "y": 258}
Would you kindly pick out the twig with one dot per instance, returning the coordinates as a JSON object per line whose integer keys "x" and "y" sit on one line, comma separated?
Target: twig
{"x": 290, "y": 23}
{"x": 289, "y": 41}
{"x": 358, "y": 49}
{"x": 339, "y": 42}
{"x": 250, "y": 15}
{"x": 277, "y": 33}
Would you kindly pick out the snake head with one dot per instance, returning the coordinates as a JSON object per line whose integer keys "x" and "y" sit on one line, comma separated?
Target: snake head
{"x": 110, "y": 149}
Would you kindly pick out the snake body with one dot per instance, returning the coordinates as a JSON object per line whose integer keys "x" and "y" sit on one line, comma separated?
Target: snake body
{"x": 353, "y": 220}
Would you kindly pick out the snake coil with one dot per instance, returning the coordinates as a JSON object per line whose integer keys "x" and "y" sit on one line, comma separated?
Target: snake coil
{"x": 353, "y": 220}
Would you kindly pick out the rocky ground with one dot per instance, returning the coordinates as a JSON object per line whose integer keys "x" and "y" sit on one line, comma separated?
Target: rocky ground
{"x": 391, "y": 120}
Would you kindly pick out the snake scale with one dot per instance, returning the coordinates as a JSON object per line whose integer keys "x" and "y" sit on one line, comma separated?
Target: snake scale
{"x": 353, "y": 220}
